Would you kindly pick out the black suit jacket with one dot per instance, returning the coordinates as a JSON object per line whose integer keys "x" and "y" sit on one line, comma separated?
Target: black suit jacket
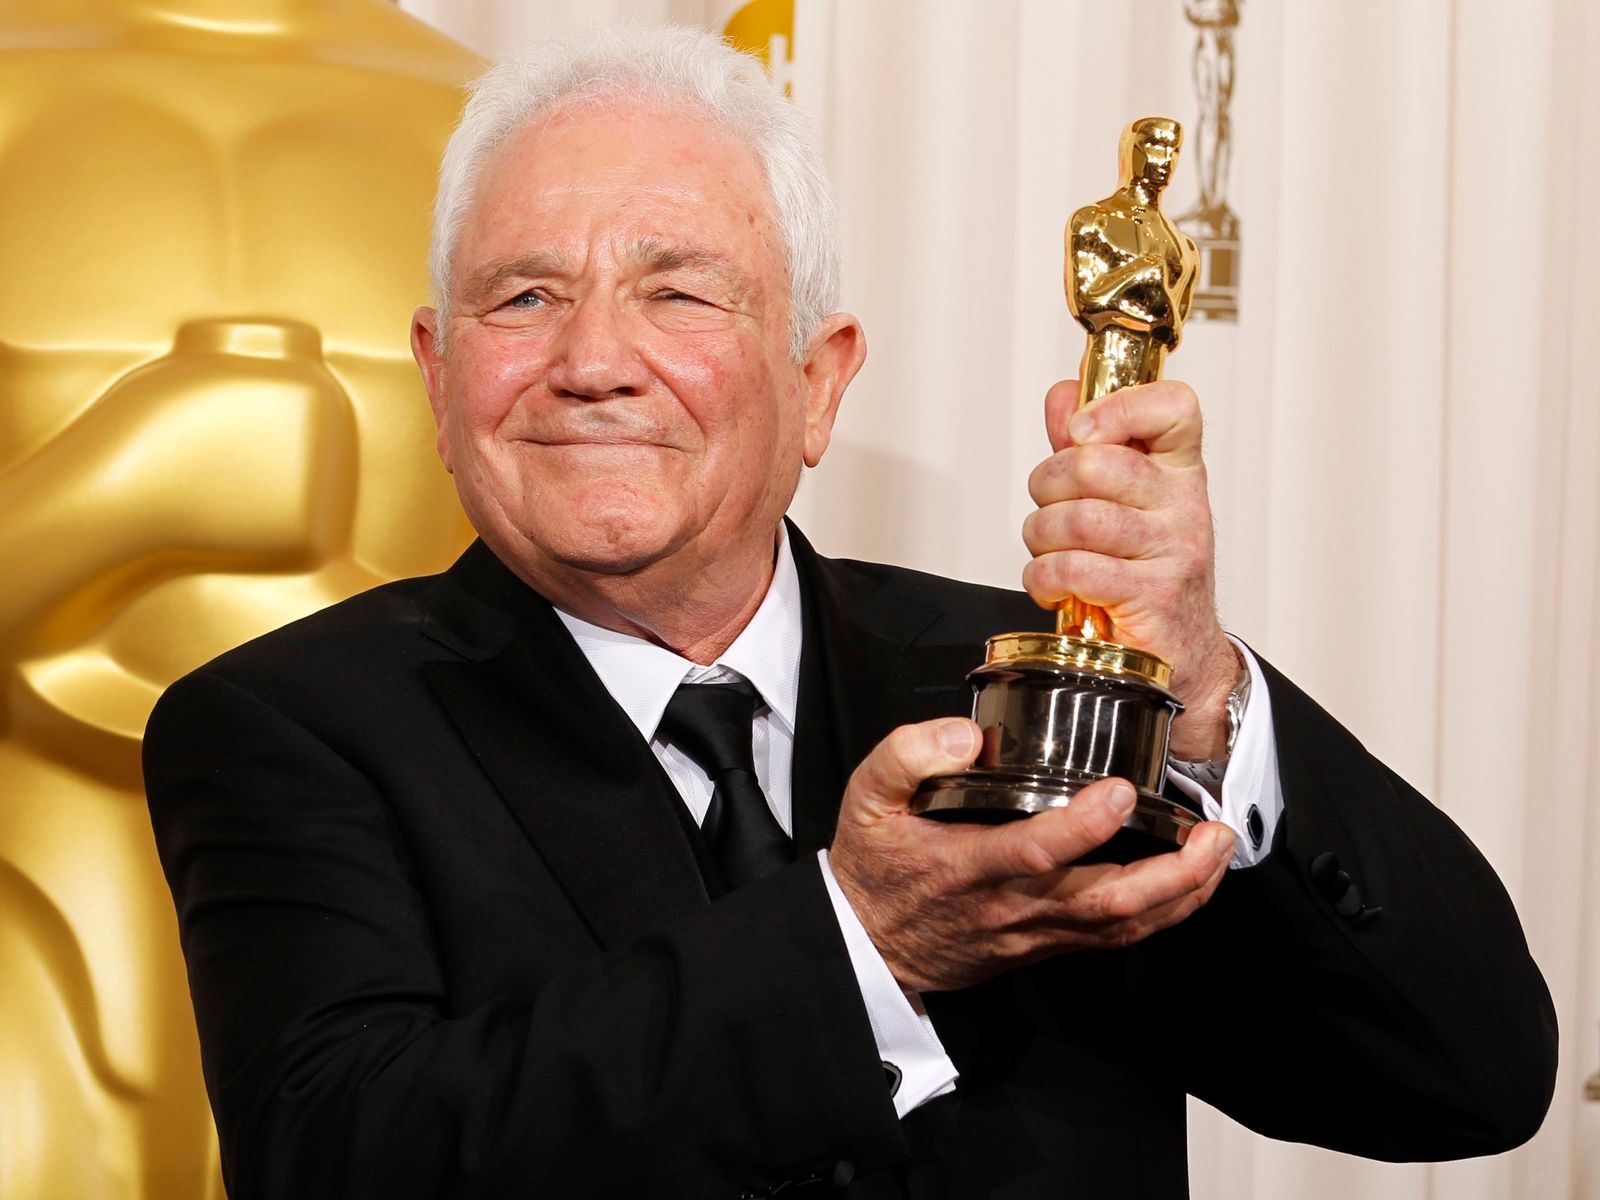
{"x": 447, "y": 935}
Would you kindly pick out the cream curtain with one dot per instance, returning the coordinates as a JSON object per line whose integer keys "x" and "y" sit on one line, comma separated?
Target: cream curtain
{"x": 1403, "y": 423}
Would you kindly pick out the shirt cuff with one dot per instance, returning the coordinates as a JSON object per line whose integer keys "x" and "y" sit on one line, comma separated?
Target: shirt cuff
{"x": 904, "y": 1034}
{"x": 1252, "y": 795}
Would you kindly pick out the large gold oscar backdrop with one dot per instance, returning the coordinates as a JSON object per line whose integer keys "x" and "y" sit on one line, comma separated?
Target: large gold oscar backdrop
{"x": 213, "y": 223}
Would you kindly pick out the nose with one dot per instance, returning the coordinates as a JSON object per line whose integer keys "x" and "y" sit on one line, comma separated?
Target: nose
{"x": 594, "y": 356}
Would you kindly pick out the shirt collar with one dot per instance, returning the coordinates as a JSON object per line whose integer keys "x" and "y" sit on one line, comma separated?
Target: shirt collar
{"x": 642, "y": 676}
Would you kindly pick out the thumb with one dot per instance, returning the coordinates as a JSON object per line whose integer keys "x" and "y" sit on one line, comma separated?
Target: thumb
{"x": 885, "y": 780}
{"x": 1060, "y": 402}
{"x": 1051, "y": 839}
{"x": 1164, "y": 417}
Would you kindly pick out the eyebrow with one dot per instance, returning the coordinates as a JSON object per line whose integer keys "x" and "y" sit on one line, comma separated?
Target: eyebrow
{"x": 654, "y": 255}
{"x": 523, "y": 266}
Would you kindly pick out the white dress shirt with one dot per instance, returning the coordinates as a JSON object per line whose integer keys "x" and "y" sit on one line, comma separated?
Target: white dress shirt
{"x": 642, "y": 678}
{"x": 1252, "y": 795}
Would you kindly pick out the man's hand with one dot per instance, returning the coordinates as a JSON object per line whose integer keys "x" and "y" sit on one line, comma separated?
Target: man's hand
{"x": 948, "y": 905}
{"x": 1124, "y": 522}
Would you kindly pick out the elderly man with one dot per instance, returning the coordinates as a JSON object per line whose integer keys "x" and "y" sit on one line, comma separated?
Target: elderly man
{"x": 584, "y": 869}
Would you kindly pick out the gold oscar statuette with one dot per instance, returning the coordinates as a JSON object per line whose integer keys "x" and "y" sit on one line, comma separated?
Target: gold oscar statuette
{"x": 1061, "y": 710}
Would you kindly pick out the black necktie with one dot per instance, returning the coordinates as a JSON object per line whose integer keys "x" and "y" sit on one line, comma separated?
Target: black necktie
{"x": 711, "y": 723}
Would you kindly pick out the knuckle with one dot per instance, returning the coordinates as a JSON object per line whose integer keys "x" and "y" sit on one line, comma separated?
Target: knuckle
{"x": 882, "y": 769}
{"x": 1032, "y": 858}
{"x": 1010, "y": 944}
{"x": 1102, "y": 906}
{"x": 1093, "y": 520}
{"x": 1094, "y": 470}
{"x": 1185, "y": 400}
{"x": 1074, "y": 574}
{"x": 1066, "y": 525}
{"x": 1034, "y": 581}
{"x": 1063, "y": 527}
{"x": 1038, "y": 478}
{"x": 1114, "y": 410}
{"x": 1192, "y": 505}
{"x": 1047, "y": 574}
{"x": 1065, "y": 519}
{"x": 1125, "y": 934}
{"x": 1035, "y": 531}
{"x": 1195, "y": 525}
{"x": 904, "y": 742}
{"x": 1198, "y": 874}
{"x": 1123, "y": 906}
{"x": 1052, "y": 478}
{"x": 1129, "y": 527}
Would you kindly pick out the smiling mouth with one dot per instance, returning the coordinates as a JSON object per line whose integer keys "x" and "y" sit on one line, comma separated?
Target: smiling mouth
{"x": 596, "y": 444}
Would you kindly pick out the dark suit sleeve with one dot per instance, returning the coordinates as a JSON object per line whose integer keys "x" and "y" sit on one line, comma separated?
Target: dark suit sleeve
{"x": 730, "y": 1051}
{"x": 1367, "y": 987}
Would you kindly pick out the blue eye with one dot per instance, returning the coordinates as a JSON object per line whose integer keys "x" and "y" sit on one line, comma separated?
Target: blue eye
{"x": 528, "y": 299}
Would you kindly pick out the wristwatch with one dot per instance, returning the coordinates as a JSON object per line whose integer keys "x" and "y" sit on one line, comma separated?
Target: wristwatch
{"x": 1208, "y": 774}
{"x": 1234, "y": 709}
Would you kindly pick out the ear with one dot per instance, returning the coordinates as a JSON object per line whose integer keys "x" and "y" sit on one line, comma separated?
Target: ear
{"x": 425, "y": 349}
{"x": 837, "y": 351}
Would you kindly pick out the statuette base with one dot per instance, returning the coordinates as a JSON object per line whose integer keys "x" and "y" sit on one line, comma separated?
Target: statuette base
{"x": 1057, "y": 714}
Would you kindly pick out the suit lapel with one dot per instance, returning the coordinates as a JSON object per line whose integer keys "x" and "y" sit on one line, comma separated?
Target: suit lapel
{"x": 860, "y": 676}
{"x": 582, "y": 783}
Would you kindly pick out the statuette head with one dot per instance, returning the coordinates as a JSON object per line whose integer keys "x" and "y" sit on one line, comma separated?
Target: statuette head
{"x": 1149, "y": 151}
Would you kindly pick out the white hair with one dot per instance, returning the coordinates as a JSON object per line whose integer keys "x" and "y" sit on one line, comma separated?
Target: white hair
{"x": 672, "y": 66}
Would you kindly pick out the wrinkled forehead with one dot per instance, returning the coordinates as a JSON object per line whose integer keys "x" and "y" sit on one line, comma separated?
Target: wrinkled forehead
{"x": 620, "y": 166}
{"x": 636, "y": 182}
{"x": 594, "y": 142}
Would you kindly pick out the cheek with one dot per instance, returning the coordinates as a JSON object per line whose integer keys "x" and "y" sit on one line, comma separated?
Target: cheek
{"x": 720, "y": 392}
{"x": 702, "y": 372}
{"x": 488, "y": 375}
{"x": 752, "y": 416}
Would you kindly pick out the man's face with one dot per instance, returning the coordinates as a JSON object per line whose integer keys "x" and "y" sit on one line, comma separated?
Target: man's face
{"x": 617, "y": 387}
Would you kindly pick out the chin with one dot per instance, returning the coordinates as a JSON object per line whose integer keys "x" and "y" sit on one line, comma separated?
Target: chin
{"x": 611, "y": 541}
{"x": 613, "y": 560}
